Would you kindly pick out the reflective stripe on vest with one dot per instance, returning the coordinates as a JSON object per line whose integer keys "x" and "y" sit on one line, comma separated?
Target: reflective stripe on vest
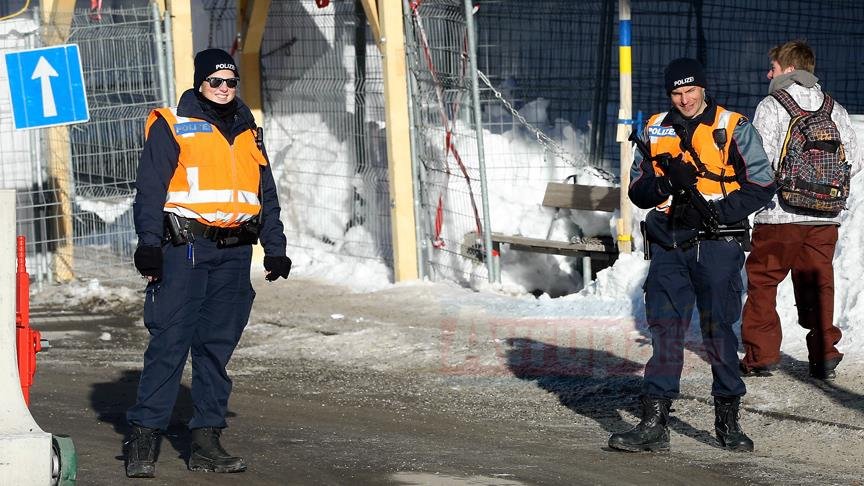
{"x": 663, "y": 139}
{"x": 215, "y": 182}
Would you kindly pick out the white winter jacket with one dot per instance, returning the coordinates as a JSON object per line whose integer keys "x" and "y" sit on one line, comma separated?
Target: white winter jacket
{"x": 772, "y": 120}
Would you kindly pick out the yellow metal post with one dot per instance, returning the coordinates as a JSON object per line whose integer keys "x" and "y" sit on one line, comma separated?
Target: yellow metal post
{"x": 398, "y": 141}
{"x": 57, "y": 21}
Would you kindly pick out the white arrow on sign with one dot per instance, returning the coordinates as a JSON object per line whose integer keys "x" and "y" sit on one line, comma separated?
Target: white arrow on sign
{"x": 45, "y": 72}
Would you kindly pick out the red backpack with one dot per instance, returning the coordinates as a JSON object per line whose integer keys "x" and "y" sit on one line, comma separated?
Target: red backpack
{"x": 813, "y": 174}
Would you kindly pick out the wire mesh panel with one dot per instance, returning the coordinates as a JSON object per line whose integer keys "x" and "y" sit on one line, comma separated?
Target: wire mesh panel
{"x": 524, "y": 148}
{"x": 445, "y": 141}
{"x": 551, "y": 60}
{"x": 221, "y": 24}
{"x": 561, "y": 55}
{"x": 323, "y": 96}
{"x": 20, "y": 151}
{"x": 119, "y": 54}
{"x": 75, "y": 184}
{"x": 732, "y": 39}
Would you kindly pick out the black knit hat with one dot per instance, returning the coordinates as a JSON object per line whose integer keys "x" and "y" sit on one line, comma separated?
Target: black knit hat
{"x": 209, "y": 61}
{"x": 684, "y": 72}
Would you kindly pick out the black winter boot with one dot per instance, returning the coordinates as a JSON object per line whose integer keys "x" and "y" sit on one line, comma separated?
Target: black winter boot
{"x": 207, "y": 454}
{"x": 729, "y": 433}
{"x": 140, "y": 452}
{"x": 652, "y": 433}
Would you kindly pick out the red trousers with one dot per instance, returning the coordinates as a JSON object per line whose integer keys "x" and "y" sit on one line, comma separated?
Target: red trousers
{"x": 807, "y": 251}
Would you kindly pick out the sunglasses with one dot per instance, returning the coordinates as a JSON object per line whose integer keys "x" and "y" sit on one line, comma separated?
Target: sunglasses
{"x": 216, "y": 82}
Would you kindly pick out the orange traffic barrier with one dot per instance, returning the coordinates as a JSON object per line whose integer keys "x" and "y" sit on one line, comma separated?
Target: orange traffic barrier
{"x": 28, "y": 340}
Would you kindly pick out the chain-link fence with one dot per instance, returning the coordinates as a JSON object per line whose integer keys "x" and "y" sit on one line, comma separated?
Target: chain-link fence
{"x": 75, "y": 184}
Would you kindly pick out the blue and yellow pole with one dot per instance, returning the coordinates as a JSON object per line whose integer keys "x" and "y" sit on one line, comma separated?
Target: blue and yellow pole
{"x": 625, "y": 123}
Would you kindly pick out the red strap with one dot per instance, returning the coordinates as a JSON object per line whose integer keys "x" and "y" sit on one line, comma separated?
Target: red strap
{"x": 439, "y": 223}
{"x": 322, "y": 3}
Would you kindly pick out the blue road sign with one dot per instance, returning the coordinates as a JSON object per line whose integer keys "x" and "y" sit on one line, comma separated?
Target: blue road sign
{"x": 47, "y": 87}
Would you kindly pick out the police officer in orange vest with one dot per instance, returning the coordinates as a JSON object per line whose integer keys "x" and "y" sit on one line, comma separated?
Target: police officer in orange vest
{"x": 703, "y": 173}
{"x": 205, "y": 194}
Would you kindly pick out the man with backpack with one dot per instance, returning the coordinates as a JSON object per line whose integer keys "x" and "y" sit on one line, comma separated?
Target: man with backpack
{"x": 811, "y": 144}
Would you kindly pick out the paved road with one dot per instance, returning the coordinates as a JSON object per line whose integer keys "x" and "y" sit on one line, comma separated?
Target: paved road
{"x": 322, "y": 440}
{"x": 313, "y": 422}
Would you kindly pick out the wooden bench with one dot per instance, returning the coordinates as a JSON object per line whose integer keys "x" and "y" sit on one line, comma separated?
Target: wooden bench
{"x": 559, "y": 195}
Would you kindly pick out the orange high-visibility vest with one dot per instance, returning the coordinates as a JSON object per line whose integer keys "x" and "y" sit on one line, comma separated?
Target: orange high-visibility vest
{"x": 216, "y": 183}
{"x": 662, "y": 139}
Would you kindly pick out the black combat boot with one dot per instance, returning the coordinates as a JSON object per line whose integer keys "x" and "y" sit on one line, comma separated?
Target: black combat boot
{"x": 729, "y": 433}
{"x": 825, "y": 370}
{"x": 207, "y": 453}
{"x": 652, "y": 433}
{"x": 140, "y": 452}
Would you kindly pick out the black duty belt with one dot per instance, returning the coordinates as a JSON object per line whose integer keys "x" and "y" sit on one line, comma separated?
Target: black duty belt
{"x": 212, "y": 233}
{"x": 181, "y": 231}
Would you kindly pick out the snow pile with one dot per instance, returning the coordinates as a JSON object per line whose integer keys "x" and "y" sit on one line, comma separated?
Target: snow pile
{"x": 90, "y": 295}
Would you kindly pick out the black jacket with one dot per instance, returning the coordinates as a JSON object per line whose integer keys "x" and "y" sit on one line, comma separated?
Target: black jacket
{"x": 159, "y": 161}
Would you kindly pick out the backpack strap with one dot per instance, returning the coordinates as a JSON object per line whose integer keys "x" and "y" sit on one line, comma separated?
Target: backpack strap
{"x": 787, "y": 102}
{"x": 827, "y": 105}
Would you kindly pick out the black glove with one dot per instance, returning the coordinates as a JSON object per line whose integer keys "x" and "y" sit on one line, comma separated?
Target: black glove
{"x": 277, "y": 266}
{"x": 148, "y": 261}
{"x": 664, "y": 185}
{"x": 681, "y": 175}
{"x": 690, "y": 217}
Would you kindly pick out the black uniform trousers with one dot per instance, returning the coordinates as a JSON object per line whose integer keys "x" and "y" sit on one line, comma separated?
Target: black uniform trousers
{"x": 201, "y": 306}
{"x": 708, "y": 275}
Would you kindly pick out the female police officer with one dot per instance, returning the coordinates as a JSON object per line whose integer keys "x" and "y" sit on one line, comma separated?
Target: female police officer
{"x": 205, "y": 192}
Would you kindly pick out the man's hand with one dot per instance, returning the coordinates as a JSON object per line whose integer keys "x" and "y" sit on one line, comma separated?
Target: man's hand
{"x": 690, "y": 217}
{"x": 148, "y": 261}
{"x": 681, "y": 175}
{"x": 276, "y": 266}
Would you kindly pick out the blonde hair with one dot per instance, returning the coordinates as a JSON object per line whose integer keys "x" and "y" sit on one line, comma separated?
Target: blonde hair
{"x": 794, "y": 53}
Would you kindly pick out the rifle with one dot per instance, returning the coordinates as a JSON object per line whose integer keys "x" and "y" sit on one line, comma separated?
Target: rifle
{"x": 712, "y": 229}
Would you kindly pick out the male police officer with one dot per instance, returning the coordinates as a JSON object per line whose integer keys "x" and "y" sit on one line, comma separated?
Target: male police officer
{"x": 205, "y": 193}
{"x": 704, "y": 174}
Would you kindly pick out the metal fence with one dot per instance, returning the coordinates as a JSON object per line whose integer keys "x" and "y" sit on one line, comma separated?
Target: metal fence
{"x": 549, "y": 96}
{"x": 323, "y": 98}
{"x": 75, "y": 184}
{"x": 526, "y": 143}
{"x": 445, "y": 141}
{"x": 549, "y": 99}
{"x": 565, "y": 52}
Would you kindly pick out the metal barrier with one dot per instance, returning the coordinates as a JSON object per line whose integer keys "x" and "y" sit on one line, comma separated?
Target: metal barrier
{"x": 95, "y": 189}
{"x": 323, "y": 98}
{"x": 548, "y": 98}
{"x": 445, "y": 141}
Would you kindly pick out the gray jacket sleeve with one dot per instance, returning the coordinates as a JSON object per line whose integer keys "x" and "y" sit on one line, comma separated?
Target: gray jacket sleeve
{"x": 753, "y": 172}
